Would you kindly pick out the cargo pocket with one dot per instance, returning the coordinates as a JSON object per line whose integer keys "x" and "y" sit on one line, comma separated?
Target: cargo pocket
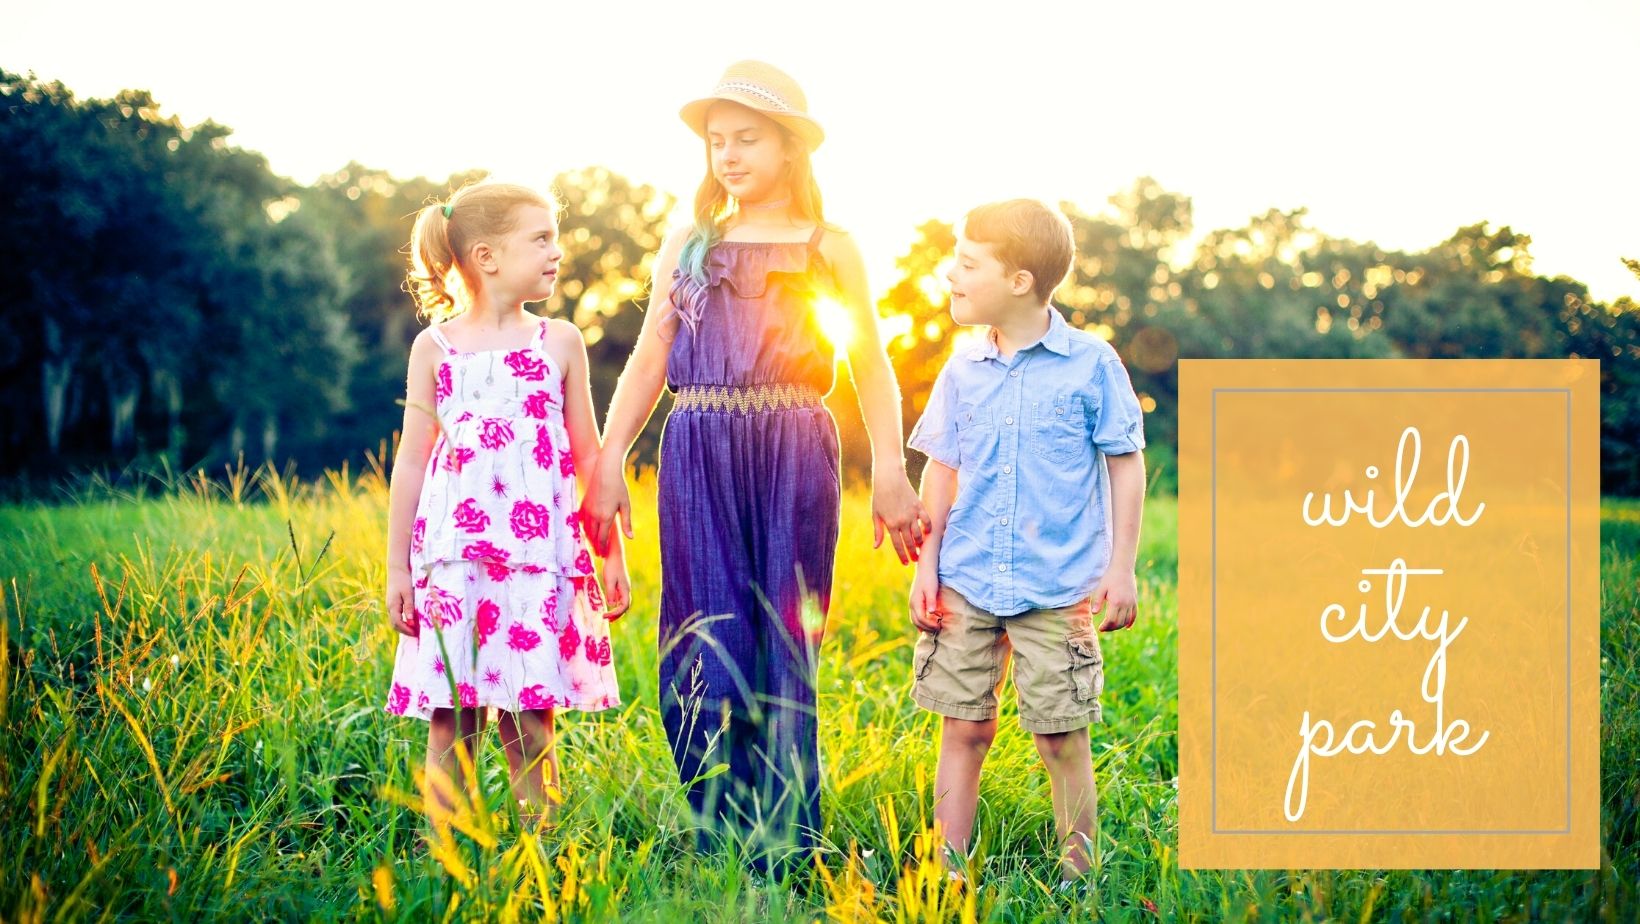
{"x": 1087, "y": 669}
{"x": 924, "y": 658}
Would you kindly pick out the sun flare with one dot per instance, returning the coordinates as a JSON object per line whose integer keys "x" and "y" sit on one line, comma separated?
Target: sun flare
{"x": 835, "y": 322}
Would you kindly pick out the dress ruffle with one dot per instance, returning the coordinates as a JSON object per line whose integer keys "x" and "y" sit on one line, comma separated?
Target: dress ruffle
{"x": 744, "y": 268}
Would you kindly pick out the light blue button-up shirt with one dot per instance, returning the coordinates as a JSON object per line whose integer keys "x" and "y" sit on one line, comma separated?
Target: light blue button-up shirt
{"x": 1030, "y": 527}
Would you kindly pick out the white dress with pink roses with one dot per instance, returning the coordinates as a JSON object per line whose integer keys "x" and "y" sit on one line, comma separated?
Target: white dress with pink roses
{"x": 507, "y": 608}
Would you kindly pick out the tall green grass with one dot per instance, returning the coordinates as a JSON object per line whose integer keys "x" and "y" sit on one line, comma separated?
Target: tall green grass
{"x": 191, "y": 707}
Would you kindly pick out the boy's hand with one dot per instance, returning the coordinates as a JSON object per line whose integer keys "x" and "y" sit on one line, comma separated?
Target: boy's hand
{"x": 1117, "y": 596}
{"x": 925, "y": 600}
{"x": 401, "y": 602}
{"x": 617, "y": 588}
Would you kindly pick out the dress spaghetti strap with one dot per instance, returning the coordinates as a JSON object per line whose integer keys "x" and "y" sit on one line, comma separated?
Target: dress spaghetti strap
{"x": 440, "y": 339}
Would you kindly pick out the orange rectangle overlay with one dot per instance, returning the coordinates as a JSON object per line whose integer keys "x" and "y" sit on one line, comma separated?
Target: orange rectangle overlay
{"x": 1389, "y": 614}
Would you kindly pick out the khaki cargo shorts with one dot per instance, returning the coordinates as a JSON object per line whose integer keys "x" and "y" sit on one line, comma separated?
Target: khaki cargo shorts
{"x": 1058, "y": 669}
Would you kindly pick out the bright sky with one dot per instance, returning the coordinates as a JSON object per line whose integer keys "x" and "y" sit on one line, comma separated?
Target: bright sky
{"x": 1393, "y": 121}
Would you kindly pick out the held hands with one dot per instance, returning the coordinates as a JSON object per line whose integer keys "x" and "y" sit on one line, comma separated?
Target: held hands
{"x": 400, "y": 601}
{"x": 925, "y": 598}
{"x": 617, "y": 586}
{"x": 606, "y": 500}
{"x": 896, "y": 508}
{"x": 1117, "y": 596}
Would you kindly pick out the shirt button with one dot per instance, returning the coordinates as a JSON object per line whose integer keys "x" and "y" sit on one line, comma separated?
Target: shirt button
{"x": 1008, "y": 420}
{"x": 1014, "y": 373}
{"x": 1002, "y": 567}
{"x": 1007, "y": 470}
{"x": 1004, "y": 521}
{"x": 1059, "y": 410}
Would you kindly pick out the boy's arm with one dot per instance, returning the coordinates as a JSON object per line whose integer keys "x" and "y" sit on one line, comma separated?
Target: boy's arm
{"x": 939, "y": 492}
{"x": 1117, "y": 595}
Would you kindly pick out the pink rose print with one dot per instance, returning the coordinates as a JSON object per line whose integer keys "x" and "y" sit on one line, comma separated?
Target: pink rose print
{"x": 399, "y": 700}
{"x": 443, "y": 607}
{"x": 489, "y": 619}
{"x": 583, "y": 562}
{"x": 494, "y": 433}
{"x": 526, "y": 367}
{"x": 530, "y": 520}
{"x": 598, "y": 650}
{"x": 443, "y": 389}
{"x": 483, "y": 549}
{"x": 492, "y": 676}
{"x": 471, "y": 519}
{"x": 465, "y": 416}
{"x": 531, "y": 698}
{"x": 497, "y": 571}
{"x": 536, "y": 405}
{"x": 532, "y": 569}
{"x": 418, "y": 532}
{"x": 549, "y": 612}
{"x": 422, "y": 702}
{"x": 595, "y": 594}
{"x": 543, "y": 448}
{"x": 469, "y": 694}
{"x": 521, "y": 639}
{"x": 573, "y": 521}
{"x": 566, "y": 464}
{"x": 458, "y": 457}
{"x": 569, "y": 639}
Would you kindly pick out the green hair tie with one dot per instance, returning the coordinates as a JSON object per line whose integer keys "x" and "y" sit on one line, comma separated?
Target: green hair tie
{"x": 447, "y": 208}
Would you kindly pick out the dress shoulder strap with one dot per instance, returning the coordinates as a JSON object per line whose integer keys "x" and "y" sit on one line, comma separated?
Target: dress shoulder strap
{"x": 814, "y": 239}
{"x": 440, "y": 339}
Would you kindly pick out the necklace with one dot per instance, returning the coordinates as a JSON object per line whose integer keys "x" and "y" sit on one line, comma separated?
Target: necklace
{"x": 766, "y": 206}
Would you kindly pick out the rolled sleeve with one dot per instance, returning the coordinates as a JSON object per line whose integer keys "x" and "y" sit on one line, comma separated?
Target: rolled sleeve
{"x": 935, "y": 434}
{"x": 1118, "y": 426}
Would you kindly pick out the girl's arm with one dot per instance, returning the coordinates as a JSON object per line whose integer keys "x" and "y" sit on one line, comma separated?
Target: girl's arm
{"x": 629, "y": 408}
{"x": 416, "y": 438}
{"x": 570, "y": 350}
{"x": 894, "y": 504}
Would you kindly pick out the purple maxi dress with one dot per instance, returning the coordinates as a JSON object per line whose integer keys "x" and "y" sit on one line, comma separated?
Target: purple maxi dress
{"x": 749, "y": 496}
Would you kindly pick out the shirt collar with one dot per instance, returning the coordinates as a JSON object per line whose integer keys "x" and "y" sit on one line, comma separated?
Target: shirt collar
{"x": 1057, "y": 339}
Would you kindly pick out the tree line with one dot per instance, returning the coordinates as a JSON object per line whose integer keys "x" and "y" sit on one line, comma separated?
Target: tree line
{"x": 177, "y": 303}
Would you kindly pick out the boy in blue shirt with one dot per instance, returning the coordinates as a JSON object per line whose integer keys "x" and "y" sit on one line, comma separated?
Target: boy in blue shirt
{"x": 1034, "y": 483}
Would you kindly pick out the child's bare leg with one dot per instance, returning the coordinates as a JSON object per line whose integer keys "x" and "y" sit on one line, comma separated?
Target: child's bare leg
{"x": 963, "y": 745}
{"x": 442, "y": 764}
{"x": 1075, "y": 810}
{"x": 531, "y": 743}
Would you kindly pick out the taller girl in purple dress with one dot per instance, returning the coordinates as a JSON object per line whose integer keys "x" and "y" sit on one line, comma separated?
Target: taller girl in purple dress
{"x": 749, "y": 485}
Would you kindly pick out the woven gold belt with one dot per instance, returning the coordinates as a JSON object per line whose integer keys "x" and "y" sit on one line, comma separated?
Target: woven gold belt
{"x": 745, "y": 399}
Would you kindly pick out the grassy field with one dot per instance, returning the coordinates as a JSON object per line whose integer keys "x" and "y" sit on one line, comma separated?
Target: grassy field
{"x": 191, "y": 702}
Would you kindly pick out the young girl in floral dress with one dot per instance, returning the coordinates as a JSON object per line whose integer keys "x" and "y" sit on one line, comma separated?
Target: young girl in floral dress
{"x": 488, "y": 579}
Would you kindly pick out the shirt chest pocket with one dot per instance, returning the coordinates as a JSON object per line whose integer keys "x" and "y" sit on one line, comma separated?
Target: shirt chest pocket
{"x": 1059, "y": 430}
{"x": 975, "y": 431}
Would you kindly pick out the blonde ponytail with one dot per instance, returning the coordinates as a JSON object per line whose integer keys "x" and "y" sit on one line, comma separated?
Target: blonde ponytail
{"x": 445, "y": 231}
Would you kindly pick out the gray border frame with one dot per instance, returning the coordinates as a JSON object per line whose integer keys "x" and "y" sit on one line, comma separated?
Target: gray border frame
{"x": 1213, "y": 770}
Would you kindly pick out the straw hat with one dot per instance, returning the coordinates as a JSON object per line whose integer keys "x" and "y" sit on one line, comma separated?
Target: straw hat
{"x": 762, "y": 87}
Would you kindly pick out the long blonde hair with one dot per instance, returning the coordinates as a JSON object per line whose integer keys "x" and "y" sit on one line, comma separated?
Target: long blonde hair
{"x": 439, "y": 279}
{"x": 714, "y": 206}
